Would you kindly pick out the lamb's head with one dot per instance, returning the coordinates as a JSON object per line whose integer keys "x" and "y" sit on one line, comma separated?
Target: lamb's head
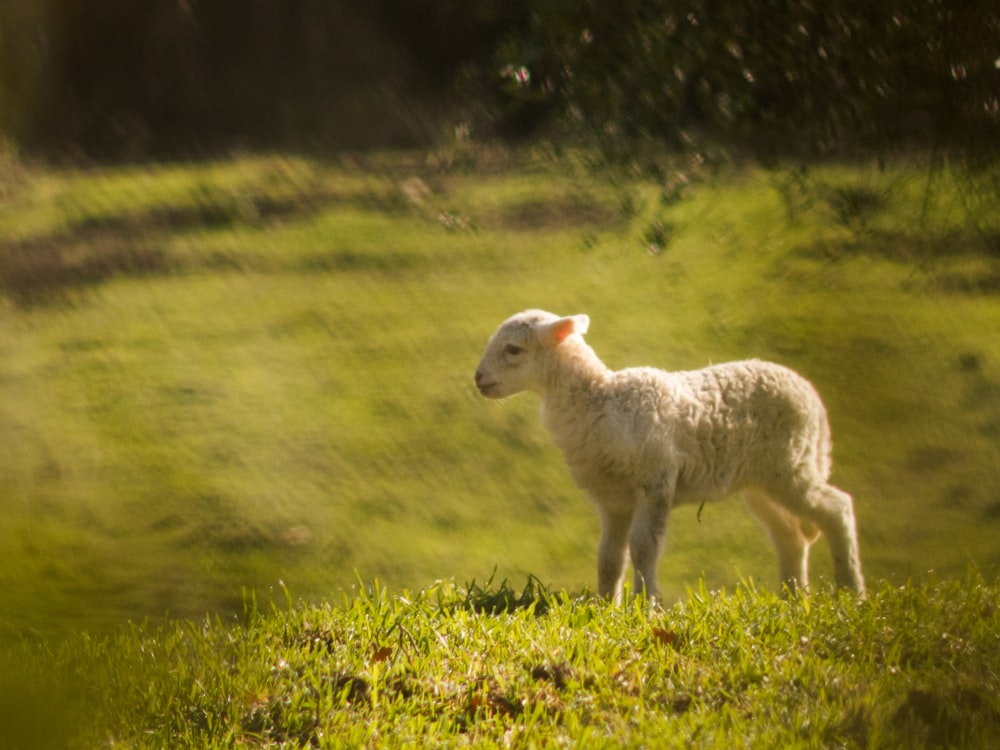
{"x": 516, "y": 354}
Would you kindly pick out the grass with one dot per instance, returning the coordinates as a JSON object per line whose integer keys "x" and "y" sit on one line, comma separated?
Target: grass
{"x": 493, "y": 666}
{"x": 255, "y": 374}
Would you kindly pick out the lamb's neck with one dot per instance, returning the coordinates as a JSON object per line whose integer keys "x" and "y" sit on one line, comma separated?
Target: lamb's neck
{"x": 577, "y": 373}
{"x": 572, "y": 387}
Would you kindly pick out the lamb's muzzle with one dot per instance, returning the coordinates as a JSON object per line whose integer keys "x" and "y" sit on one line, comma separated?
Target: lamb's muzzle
{"x": 482, "y": 384}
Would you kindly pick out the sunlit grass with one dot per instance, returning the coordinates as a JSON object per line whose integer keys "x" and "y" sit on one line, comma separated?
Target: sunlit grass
{"x": 497, "y": 666}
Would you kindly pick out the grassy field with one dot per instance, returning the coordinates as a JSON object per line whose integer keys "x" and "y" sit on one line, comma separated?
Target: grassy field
{"x": 496, "y": 667}
{"x": 255, "y": 375}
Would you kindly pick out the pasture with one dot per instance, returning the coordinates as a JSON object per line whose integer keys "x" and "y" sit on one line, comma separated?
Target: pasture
{"x": 252, "y": 376}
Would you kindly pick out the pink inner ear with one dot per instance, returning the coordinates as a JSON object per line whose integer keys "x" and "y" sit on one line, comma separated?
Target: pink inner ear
{"x": 563, "y": 329}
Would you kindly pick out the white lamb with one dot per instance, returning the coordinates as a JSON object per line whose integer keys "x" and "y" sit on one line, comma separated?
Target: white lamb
{"x": 642, "y": 440}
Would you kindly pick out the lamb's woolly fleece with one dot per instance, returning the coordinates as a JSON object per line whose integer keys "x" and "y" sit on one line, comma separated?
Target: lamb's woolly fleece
{"x": 642, "y": 440}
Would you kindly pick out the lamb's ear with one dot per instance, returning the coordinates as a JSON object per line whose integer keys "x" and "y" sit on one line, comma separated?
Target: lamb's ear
{"x": 558, "y": 330}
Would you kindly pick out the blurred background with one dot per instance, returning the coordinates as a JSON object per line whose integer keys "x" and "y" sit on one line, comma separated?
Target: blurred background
{"x": 114, "y": 79}
{"x": 251, "y": 250}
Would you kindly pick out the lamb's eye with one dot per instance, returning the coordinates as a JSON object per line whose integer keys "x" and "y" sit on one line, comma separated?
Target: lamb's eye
{"x": 513, "y": 349}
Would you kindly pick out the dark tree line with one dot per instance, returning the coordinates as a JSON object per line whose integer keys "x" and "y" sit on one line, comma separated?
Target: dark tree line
{"x": 113, "y": 77}
{"x": 815, "y": 76}
{"x": 123, "y": 78}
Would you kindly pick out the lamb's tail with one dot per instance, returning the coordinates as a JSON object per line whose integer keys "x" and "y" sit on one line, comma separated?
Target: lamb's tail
{"x": 824, "y": 448}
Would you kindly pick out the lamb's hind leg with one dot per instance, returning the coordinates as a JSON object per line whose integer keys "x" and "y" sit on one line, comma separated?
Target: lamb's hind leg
{"x": 833, "y": 511}
{"x": 791, "y": 537}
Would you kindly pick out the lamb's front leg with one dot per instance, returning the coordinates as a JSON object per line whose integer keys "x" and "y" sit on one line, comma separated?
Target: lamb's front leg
{"x": 647, "y": 535}
{"x": 612, "y": 550}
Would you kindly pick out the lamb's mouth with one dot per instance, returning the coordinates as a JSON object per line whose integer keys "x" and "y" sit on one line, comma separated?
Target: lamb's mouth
{"x": 485, "y": 388}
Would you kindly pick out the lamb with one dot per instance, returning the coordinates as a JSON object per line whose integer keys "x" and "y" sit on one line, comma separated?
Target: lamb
{"x": 641, "y": 441}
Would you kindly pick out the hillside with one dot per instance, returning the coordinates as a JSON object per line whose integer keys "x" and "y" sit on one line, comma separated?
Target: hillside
{"x": 240, "y": 375}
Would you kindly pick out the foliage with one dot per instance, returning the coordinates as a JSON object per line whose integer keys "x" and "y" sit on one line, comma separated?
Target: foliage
{"x": 773, "y": 77}
{"x": 113, "y": 78}
{"x": 913, "y": 666}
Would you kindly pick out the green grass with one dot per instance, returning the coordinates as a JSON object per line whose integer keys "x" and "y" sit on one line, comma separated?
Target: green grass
{"x": 491, "y": 666}
{"x": 257, "y": 373}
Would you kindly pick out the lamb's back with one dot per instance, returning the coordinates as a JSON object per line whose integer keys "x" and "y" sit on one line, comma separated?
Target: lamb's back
{"x": 720, "y": 427}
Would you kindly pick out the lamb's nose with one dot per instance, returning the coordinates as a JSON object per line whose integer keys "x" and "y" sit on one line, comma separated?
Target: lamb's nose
{"x": 479, "y": 377}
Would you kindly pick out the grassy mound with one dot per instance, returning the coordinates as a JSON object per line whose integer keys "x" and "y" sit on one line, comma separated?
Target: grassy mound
{"x": 490, "y": 666}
